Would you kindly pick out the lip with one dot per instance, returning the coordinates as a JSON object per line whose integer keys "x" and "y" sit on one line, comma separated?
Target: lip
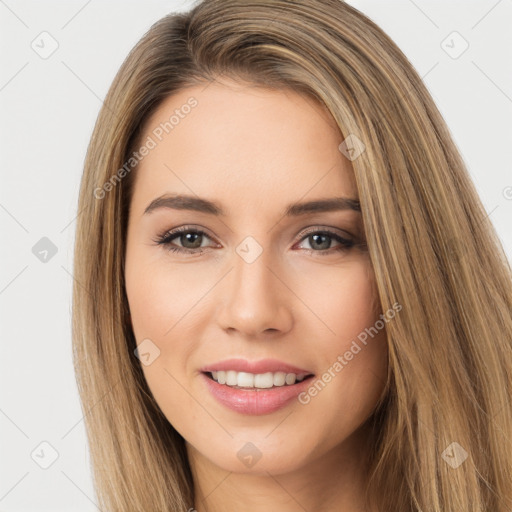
{"x": 262, "y": 366}
{"x": 252, "y": 402}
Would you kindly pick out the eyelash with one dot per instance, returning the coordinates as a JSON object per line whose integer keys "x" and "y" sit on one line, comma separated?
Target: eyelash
{"x": 166, "y": 238}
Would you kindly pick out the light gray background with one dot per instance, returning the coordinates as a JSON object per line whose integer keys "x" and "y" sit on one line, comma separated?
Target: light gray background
{"x": 48, "y": 108}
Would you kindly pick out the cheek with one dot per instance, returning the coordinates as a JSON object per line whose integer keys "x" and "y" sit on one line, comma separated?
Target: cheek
{"x": 161, "y": 295}
{"x": 352, "y": 346}
{"x": 159, "y": 299}
{"x": 352, "y": 308}
{"x": 165, "y": 308}
{"x": 342, "y": 299}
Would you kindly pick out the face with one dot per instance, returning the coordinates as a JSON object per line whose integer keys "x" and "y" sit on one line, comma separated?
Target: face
{"x": 231, "y": 272}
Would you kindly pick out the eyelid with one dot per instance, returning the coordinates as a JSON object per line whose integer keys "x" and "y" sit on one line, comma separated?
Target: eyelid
{"x": 174, "y": 232}
{"x": 320, "y": 228}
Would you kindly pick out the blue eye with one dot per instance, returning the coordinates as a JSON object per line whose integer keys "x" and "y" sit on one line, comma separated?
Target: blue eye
{"x": 191, "y": 241}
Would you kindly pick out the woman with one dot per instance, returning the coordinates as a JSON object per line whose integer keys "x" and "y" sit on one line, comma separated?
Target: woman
{"x": 288, "y": 293}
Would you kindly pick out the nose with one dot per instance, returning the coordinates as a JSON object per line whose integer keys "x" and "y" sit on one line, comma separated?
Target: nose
{"x": 255, "y": 301}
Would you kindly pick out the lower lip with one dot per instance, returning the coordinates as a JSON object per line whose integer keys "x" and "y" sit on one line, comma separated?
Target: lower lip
{"x": 255, "y": 402}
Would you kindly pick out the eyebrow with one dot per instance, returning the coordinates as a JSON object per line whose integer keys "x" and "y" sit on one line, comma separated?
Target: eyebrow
{"x": 186, "y": 202}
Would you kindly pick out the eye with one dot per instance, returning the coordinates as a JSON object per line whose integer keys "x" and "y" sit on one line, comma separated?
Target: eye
{"x": 320, "y": 241}
{"x": 190, "y": 240}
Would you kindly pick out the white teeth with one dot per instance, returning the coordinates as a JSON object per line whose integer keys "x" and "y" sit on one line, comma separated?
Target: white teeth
{"x": 260, "y": 380}
{"x": 264, "y": 380}
{"x": 245, "y": 380}
{"x": 279, "y": 378}
{"x": 231, "y": 378}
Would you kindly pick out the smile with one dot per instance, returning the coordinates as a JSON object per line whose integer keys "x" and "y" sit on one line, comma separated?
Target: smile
{"x": 255, "y": 400}
{"x": 246, "y": 380}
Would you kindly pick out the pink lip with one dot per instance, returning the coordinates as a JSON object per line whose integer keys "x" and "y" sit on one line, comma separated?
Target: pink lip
{"x": 252, "y": 402}
{"x": 262, "y": 366}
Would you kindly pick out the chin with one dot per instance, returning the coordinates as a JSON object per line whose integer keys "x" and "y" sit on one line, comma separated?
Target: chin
{"x": 256, "y": 454}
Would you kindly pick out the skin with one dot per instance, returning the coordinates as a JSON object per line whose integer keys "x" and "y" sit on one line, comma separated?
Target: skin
{"x": 255, "y": 151}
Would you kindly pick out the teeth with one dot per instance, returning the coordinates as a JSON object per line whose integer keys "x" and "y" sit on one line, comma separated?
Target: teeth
{"x": 231, "y": 378}
{"x": 245, "y": 380}
{"x": 264, "y": 380}
{"x": 290, "y": 378}
{"x": 279, "y": 378}
{"x": 260, "y": 380}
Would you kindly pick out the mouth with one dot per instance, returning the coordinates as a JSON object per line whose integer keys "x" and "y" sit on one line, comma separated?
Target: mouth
{"x": 257, "y": 382}
{"x": 255, "y": 393}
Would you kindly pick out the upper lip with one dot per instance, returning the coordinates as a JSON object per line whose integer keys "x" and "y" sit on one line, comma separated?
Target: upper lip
{"x": 256, "y": 367}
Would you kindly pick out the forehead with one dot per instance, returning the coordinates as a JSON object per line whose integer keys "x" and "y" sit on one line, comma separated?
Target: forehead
{"x": 242, "y": 144}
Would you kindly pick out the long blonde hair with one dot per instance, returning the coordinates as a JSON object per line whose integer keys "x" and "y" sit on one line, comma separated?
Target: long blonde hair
{"x": 441, "y": 438}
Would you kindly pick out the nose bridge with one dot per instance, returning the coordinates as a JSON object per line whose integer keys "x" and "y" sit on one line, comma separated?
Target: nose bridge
{"x": 255, "y": 299}
{"x": 251, "y": 275}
